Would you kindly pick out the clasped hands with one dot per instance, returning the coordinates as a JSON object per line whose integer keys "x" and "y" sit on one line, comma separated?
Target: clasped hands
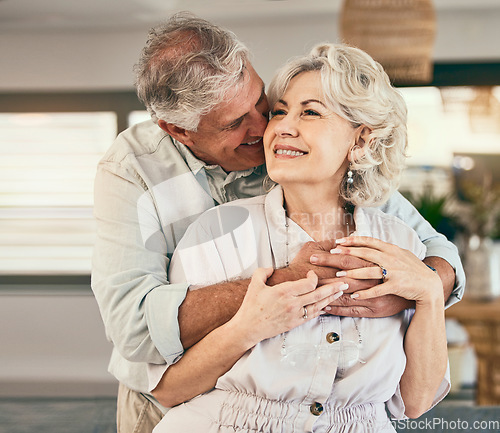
{"x": 357, "y": 262}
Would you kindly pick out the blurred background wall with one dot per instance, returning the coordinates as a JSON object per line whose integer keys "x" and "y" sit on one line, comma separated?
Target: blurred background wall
{"x": 58, "y": 58}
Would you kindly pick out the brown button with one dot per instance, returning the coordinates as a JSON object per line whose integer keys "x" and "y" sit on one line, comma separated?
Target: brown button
{"x": 332, "y": 337}
{"x": 316, "y": 409}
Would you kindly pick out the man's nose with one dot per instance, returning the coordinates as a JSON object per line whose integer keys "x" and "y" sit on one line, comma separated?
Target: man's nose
{"x": 259, "y": 122}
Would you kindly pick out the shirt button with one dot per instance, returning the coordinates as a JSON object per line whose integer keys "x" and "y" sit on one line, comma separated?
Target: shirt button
{"x": 316, "y": 409}
{"x": 332, "y": 337}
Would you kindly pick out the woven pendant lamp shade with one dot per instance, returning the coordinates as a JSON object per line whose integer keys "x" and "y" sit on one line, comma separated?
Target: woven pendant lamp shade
{"x": 399, "y": 34}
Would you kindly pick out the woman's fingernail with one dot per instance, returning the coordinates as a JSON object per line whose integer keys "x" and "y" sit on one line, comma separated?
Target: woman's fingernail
{"x": 337, "y": 295}
{"x": 327, "y": 308}
{"x": 341, "y": 274}
{"x": 341, "y": 240}
{"x": 313, "y": 259}
{"x": 344, "y": 286}
{"x": 355, "y": 295}
{"x": 335, "y": 251}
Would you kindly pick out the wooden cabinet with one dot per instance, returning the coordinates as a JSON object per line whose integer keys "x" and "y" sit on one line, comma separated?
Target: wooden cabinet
{"x": 482, "y": 322}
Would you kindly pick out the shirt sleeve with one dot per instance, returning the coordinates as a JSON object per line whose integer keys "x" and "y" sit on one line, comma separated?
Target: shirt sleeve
{"x": 437, "y": 245}
{"x": 129, "y": 276}
{"x": 155, "y": 374}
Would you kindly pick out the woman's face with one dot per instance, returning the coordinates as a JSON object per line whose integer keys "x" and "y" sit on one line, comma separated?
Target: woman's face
{"x": 305, "y": 141}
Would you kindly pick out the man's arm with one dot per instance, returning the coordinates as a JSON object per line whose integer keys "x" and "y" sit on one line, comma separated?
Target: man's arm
{"x": 445, "y": 272}
{"x": 205, "y": 309}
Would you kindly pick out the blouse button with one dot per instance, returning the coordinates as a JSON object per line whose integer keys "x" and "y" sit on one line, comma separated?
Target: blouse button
{"x": 316, "y": 409}
{"x": 332, "y": 337}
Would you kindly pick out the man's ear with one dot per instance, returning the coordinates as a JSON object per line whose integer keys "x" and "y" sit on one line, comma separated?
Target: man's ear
{"x": 176, "y": 132}
{"x": 361, "y": 142}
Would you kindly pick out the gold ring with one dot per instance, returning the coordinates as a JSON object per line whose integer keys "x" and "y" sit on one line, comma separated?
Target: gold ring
{"x": 304, "y": 316}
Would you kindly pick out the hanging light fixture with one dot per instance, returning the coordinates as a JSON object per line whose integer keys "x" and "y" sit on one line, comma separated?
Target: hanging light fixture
{"x": 399, "y": 34}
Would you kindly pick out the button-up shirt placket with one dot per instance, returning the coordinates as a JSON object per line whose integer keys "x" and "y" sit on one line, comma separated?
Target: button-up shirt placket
{"x": 323, "y": 378}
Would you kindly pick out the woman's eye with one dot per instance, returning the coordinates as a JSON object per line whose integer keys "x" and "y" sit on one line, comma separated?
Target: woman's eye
{"x": 311, "y": 113}
{"x": 277, "y": 113}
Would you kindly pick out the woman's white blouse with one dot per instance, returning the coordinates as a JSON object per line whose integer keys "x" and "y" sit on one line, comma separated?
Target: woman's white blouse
{"x": 335, "y": 362}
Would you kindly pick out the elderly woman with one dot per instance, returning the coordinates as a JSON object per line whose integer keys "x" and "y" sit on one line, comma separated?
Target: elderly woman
{"x": 335, "y": 145}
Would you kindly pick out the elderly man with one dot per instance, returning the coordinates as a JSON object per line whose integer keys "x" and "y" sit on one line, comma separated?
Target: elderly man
{"x": 202, "y": 148}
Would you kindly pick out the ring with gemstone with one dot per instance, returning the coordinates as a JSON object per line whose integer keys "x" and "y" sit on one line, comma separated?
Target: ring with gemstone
{"x": 384, "y": 272}
{"x": 304, "y": 316}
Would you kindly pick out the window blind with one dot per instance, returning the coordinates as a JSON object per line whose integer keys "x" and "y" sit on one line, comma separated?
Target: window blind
{"x": 47, "y": 167}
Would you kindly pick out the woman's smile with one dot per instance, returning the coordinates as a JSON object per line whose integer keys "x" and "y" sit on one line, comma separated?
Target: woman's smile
{"x": 283, "y": 151}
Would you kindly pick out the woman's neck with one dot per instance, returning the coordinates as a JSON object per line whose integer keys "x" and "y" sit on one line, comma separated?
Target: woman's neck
{"x": 321, "y": 214}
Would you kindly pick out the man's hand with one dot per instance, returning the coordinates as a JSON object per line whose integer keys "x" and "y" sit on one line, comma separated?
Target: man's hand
{"x": 383, "y": 306}
{"x": 316, "y": 256}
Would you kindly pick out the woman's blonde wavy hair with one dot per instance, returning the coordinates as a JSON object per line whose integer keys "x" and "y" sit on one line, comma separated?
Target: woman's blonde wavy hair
{"x": 357, "y": 89}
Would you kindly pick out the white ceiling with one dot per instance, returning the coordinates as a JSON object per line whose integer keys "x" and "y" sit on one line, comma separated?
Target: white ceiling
{"x": 20, "y": 16}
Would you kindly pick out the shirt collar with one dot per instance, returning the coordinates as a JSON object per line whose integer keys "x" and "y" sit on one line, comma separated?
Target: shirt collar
{"x": 194, "y": 164}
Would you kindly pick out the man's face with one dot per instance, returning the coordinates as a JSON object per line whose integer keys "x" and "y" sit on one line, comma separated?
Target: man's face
{"x": 231, "y": 134}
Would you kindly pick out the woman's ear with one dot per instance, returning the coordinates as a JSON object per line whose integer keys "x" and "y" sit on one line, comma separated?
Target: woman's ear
{"x": 361, "y": 142}
{"x": 176, "y": 132}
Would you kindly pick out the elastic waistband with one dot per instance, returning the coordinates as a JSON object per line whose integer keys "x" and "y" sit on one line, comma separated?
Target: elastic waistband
{"x": 364, "y": 413}
{"x": 257, "y": 413}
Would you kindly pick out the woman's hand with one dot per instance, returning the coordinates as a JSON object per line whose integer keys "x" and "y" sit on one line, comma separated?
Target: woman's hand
{"x": 405, "y": 275}
{"x": 267, "y": 311}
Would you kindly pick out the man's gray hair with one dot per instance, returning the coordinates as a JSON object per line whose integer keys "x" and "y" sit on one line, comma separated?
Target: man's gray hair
{"x": 187, "y": 67}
